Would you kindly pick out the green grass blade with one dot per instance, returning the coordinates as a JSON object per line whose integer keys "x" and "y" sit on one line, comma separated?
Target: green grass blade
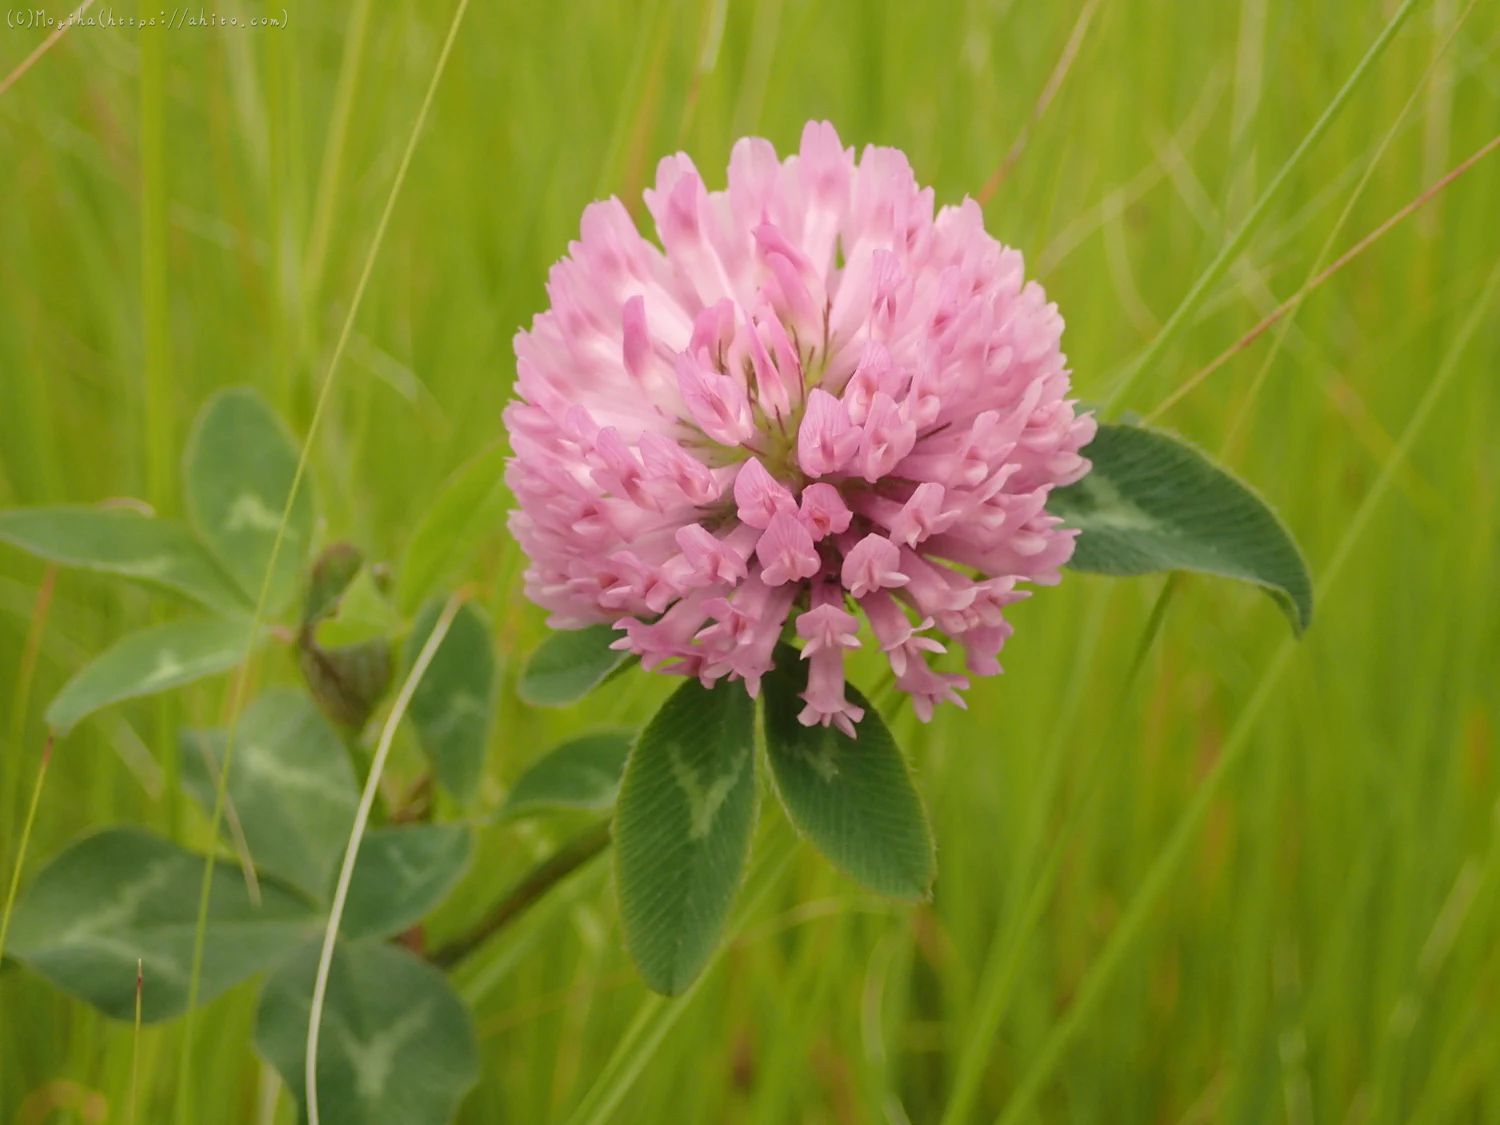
{"x": 1210, "y": 277}
{"x": 1172, "y": 856}
{"x": 186, "y": 1067}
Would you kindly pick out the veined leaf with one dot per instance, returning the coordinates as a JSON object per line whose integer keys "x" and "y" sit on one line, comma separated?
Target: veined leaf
{"x": 467, "y": 507}
{"x": 151, "y": 661}
{"x": 124, "y": 895}
{"x": 291, "y": 787}
{"x": 115, "y": 541}
{"x": 853, "y": 797}
{"x": 1154, "y": 503}
{"x": 568, "y": 665}
{"x": 682, "y": 829}
{"x": 582, "y": 773}
{"x": 239, "y": 470}
{"x": 451, "y": 706}
{"x": 401, "y": 874}
{"x": 396, "y": 1045}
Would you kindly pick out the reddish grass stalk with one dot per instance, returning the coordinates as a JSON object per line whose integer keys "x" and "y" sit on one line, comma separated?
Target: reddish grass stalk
{"x": 1049, "y": 91}
{"x": 42, "y": 48}
{"x": 1296, "y": 299}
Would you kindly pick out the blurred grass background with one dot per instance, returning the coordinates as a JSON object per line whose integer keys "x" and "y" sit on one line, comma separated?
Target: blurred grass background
{"x": 191, "y": 209}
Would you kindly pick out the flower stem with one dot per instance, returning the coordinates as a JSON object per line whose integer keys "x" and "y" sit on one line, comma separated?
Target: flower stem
{"x": 525, "y": 894}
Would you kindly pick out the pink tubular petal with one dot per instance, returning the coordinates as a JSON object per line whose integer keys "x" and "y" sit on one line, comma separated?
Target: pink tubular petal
{"x": 740, "y": 644}
{"x": 899, "y": 382}
{"x": 713, "y": 329}
{"x": 922, "y": 516}
{"x": 636, "y": 350}
{"x": 887, "y": 438}
{"x": 824, "y": 696}
{"x": 786, "y": 551}
{"x": 770, "y": 387}
{"x": 666, "y": 638}
{"x": 876, "y": 372}
{"x": 823, "y": 511}
{"x": 619, "y": 470}
{"x": 674, "y": 474}
{"x": 712, "y": 561}
{"x": 872, "y": 565}
{"x": 716, "y": 402}
{"x": 928, "y": 688}
{"x": 899, "y": 639}
{"x": 827, "y": 169}
{"x": 890, "y": 291}
{"x": 753, "y": 174}
{"x": 760, "y": 497}
{"x": 788, "y": 363}
{"x": 827, "y": 439}
{"x": 828, "y": 624}
{"x": 981, "y": 647}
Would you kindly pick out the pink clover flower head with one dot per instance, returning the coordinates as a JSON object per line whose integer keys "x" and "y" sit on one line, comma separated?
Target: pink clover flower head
{"x": 815, "y": 397}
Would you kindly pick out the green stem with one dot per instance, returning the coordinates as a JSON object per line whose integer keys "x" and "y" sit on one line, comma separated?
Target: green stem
{"x": 1002, "y": 971}
{"x": 525, "y": 894}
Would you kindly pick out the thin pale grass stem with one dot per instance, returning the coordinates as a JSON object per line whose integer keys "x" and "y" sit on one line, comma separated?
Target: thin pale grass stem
{"x": 1049, "y": 91}
{"x": 1296, "y": 299}
{"x": 15, "y": 875}
{"x": 1210, "y": 277}
{"x": 42, "y": 48}
{"x": 1174, "y": 853}
{"x": 356, "y": 836}
{"x": 194, "y": 979}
